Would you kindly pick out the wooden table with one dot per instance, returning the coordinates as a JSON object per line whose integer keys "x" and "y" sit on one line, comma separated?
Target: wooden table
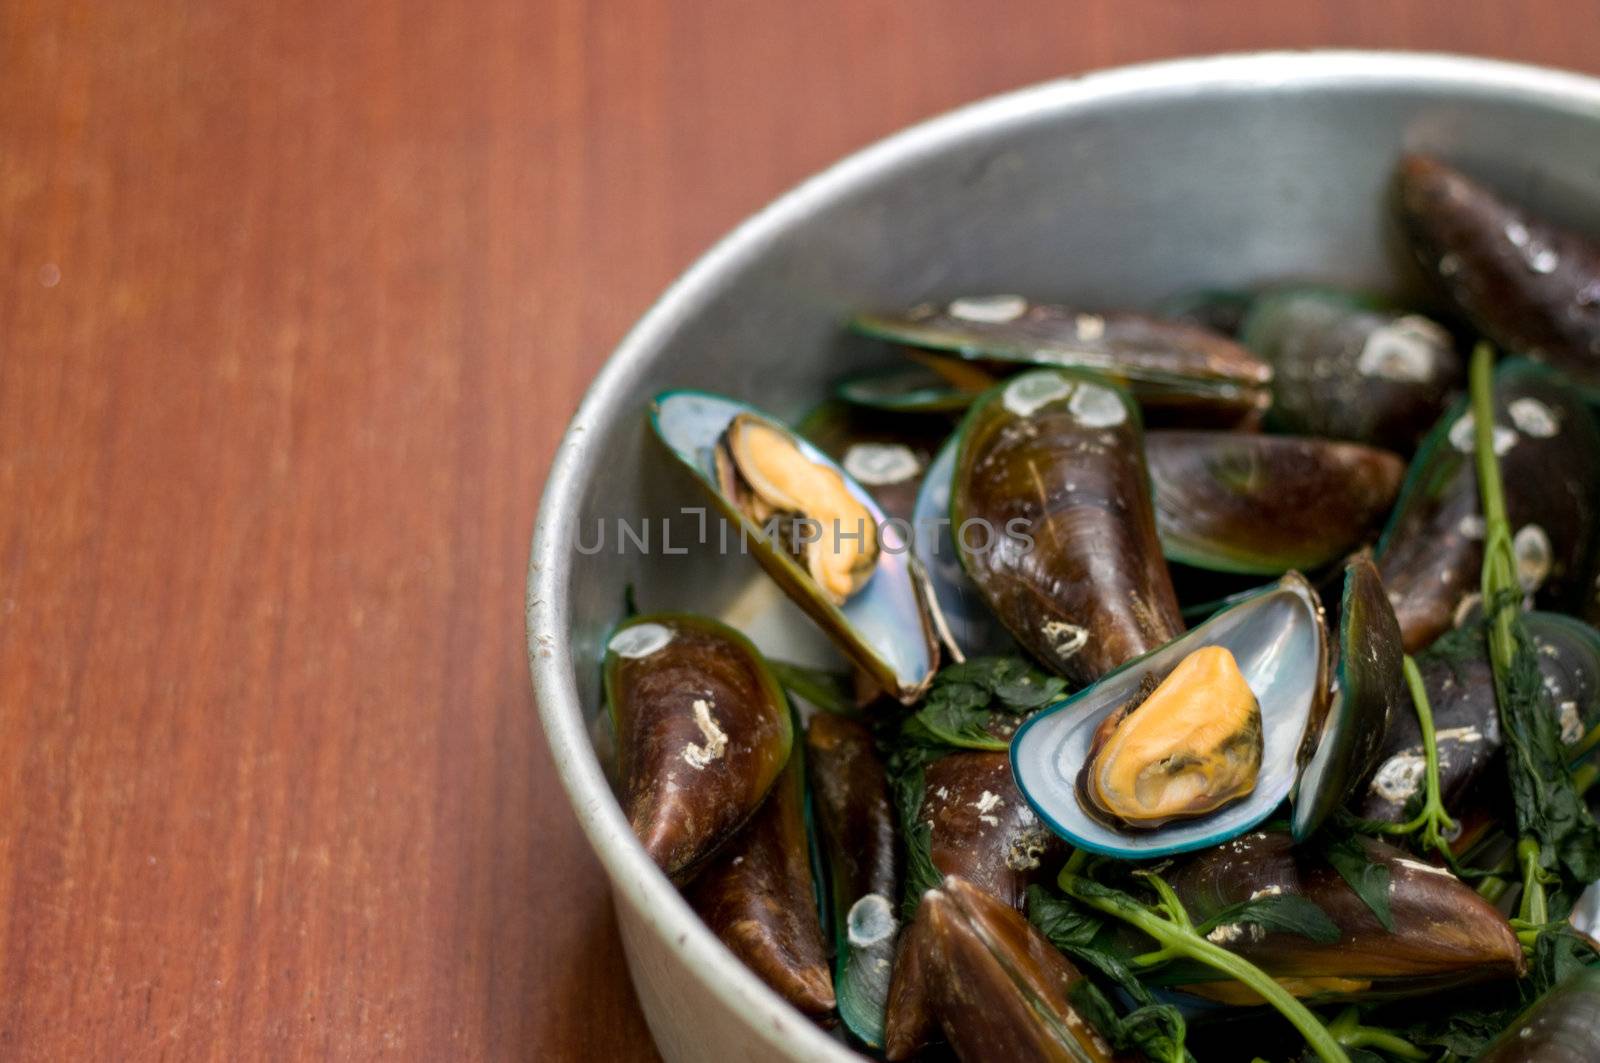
{"x": 295, "y": 299}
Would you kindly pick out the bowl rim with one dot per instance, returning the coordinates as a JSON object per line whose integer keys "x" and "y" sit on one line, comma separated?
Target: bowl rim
{"x": 548, "y": 604}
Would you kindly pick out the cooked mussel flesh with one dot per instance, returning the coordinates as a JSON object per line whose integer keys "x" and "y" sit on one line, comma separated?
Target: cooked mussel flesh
{"x": 764, "y": 471}
{"x": 1188, "y": 748}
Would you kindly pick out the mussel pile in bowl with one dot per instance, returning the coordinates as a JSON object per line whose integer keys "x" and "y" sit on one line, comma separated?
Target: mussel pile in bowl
{"x": 1214, "y": 681}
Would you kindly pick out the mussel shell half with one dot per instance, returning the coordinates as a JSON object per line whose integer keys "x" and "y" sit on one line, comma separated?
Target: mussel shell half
{"x": 977, "y": 971}
{"x": 1166, "y": 364}
{"x": 758, "y": 897}
{"x": 1531, "y": 286}
{"x": 909, "y": 389}
{"x": 1369, "y": 693}
{"x": 702, "y": 731}
{"x": 1279, "y": 640}
{"x": 1238, "y": 502}
{"x": 856, "y": 826}
{"x": 883, "y": 627}
{"x": 1444, "y": 933}
{"x": 1549, "y": 448}
{"x": 964, "y": 618}
{"x": 1346, "y": 369}
{"x": 1051, "y": 477}
{"x": 1563, "y": 1026}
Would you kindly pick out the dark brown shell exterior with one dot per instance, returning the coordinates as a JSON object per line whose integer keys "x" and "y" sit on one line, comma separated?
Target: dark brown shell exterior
{"x": 684, "y": 792}
{"x": 976, "y": 971}
{"x": 757, "y": 895}
{"x": 1531, "y": 286}
{"x": 1058, "y": 457}
{"x": 1344, "y": 368}
{"x": 1444, "y": 933}
{"x": 983, "y": 830}
{"x": 1262, "y": 504}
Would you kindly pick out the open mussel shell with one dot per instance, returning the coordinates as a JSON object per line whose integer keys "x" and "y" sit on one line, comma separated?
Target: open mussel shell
{"x": 856, "y": 825}
{"x": 702, "y": 731}
{"x": 1563, "y": 1026}
{"x": 910, "y": 389}
{"x": 758, "y": 897}
{"x": 982, "y": 829}
{"x": 1431, "y": 553}
{"x": 1344, "y": 368}
{"x": 1051, "y": 511}
{"x": 882, "y": 627}
{"x": 1239, "y": 502}
{"x": 1531, "y": 286}
{"x": 962, "y": 617}
{"x": 1444, "y": 933}
{"x": 1368, "y": 693}
{"x": 1169, "y": 366}
{"x": 1278, "y": 640}
{"x": 974, "y": 970}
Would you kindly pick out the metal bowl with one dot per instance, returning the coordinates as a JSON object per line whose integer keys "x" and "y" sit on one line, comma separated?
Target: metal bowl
{"x": 1113, "y": 189}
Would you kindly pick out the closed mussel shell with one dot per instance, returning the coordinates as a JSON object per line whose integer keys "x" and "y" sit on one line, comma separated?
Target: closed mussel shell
{"x": 1173, "y": 368}
{"x": 1345, "y": 368}
{"x": 1054, "y": 524}
{"x": 973, "y": 969}
{"x": 702, "y": 731}
{"x": 1549, "y": 452}
{"x": 757, "y": 895}
{"x": 1460, "y": 687}
{"x": 1444, "y": 933}
{"x": 1530, "y": 285}
{"x": 1369, "y": 693}
{"x": 1238, "y": 502}
{"x": 983, "y": 830}
{"x": 856, "y": 826}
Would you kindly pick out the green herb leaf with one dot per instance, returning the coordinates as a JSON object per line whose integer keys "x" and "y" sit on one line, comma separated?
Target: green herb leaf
{"x": 921, "y": 875}
{"x": 1157, "y": 1030}
{"x": 1369, "y": 879}
{"x": 1286, "y": 912}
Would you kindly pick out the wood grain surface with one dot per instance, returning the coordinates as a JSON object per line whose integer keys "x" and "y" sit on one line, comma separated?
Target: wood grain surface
{"x": 295, "y": 299}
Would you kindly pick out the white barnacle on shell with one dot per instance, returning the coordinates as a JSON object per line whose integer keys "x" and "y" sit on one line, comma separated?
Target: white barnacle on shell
{"x": 989, "y": 309}
{"x": 1029, "y": 393}
{"x": 640, "y": 640}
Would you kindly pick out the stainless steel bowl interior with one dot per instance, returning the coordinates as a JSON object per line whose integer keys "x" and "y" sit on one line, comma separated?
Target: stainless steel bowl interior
{"x": 1112, "y": 189}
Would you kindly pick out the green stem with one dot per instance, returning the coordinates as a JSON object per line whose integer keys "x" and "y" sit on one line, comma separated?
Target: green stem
{"x": 1182, "y": 940}
{"x": 1349, "y": 1032}
{"x": 1433, "y": 821}
{"x": 1499, "y": 559}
